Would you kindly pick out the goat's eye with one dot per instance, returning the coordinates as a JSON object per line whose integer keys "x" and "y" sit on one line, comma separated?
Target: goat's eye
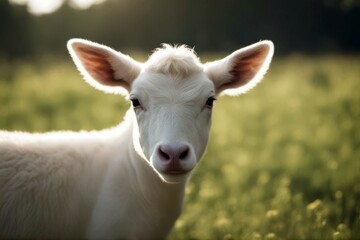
{"x": 135, "y": 102}
{"x": 210, "y": 102}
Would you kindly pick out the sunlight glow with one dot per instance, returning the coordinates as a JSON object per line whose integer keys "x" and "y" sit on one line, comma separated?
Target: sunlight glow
{"x": 39, "y": 7}
{"x": 84, "y": 4}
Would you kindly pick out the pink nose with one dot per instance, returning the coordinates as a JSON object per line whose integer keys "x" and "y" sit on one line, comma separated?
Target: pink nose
{"x": 174, "y": 158}
{"x": 173, "y": 152}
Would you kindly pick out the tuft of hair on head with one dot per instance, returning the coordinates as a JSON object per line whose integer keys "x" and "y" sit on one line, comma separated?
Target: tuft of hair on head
{"x": 178, "y": 60}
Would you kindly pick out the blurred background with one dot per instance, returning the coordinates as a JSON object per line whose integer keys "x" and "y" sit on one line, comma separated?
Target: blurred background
{"x": 283, "y": 161}
{"x": 313, "y": 26}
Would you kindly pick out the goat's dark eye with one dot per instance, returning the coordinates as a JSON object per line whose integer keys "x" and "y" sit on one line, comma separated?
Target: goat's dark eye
{"x": 135, "y": 102}
{"x": 210, "y": 102}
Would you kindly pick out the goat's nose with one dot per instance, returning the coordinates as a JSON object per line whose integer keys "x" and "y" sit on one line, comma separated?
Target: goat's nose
{"x": 173, "y": 152}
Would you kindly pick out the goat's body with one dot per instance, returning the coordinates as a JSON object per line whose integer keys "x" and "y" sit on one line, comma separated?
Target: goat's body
{"x": 74, "y": 185}
{"x": 126, "y": 182}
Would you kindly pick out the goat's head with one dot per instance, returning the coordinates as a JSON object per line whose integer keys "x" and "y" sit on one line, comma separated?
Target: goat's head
{"x": 172, "y": 95}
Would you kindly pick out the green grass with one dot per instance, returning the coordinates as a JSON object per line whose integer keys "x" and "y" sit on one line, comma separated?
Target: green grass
{"x": 283, "y": 161}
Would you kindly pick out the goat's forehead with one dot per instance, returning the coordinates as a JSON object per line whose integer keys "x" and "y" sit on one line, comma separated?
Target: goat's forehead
{"x": 161, "y": 85}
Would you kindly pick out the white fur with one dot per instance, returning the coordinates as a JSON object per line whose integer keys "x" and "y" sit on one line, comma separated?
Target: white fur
{"x": 113, "y": 183}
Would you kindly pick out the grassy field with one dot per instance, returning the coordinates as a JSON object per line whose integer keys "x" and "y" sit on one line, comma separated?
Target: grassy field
{"x": 283, "y": 161}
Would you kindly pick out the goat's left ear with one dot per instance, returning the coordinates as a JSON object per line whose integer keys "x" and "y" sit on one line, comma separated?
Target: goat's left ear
{"x": 103, "y": 67}
{"x": 241, "y": 70}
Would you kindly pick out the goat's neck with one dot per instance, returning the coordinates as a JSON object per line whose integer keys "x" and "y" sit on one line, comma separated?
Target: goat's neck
{"x": 130, "y": 187}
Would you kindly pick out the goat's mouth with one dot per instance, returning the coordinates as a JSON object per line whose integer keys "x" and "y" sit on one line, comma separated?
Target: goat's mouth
{"x": 175, "y": 176}
{"x": 175, "y": 169}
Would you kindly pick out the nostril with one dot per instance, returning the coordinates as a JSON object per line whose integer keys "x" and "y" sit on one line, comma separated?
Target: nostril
{"x": 163, "y": 154}
{"x": 184, "y": 154}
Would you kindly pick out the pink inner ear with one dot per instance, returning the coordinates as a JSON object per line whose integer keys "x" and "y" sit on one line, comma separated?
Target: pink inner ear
{"x": 247, "y": 65}
{"x": 97, "y": 65}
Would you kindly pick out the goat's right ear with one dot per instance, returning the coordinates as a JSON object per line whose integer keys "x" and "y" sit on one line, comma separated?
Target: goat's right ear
{"x": 103, "y": 67}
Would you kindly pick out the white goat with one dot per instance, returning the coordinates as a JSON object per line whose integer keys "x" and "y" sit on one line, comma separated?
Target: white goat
{"x": 126, "y": 182}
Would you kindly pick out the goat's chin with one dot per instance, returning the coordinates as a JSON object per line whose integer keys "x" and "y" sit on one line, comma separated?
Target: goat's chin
{"x": 174, "y": 178}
